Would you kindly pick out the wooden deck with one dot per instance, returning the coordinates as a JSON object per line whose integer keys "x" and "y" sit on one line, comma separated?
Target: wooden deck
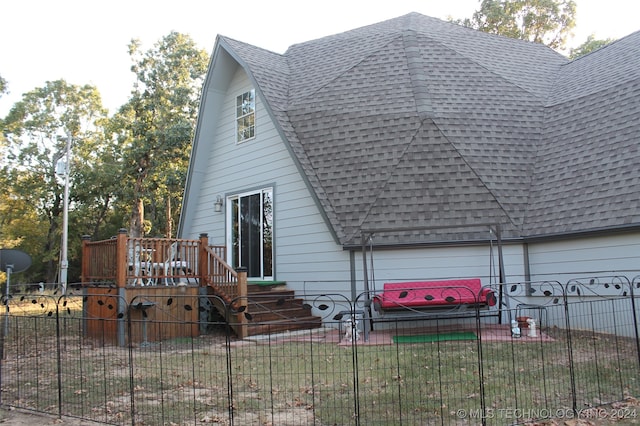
{"x": 144, "y": 271}
{"x": 143, "y": 262}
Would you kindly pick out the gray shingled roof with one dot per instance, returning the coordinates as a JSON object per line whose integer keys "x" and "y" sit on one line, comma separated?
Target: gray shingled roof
{"x": 418, "y": 122}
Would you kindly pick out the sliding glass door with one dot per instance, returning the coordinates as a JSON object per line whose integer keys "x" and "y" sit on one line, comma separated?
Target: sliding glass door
{"x": 251, "y": 223}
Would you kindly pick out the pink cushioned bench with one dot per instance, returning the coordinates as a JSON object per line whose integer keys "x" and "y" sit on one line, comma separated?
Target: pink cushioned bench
{"x": 442, "y": 294}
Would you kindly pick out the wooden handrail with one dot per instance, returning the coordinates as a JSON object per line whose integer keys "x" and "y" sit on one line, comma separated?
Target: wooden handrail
{"x": 228, "y": 284}
{"x": 221, "y": 277}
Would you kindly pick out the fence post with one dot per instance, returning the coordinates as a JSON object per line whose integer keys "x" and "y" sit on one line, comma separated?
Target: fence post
{"x": 572, "y": 377}
{"x": 122, "y": 265}
{"x": 121, "y": 258}
{"x": 84, "y": 268}
{"x": 203, "y": 259}
{"x": 635, "y": 317}
{"x": 242, "y": 296}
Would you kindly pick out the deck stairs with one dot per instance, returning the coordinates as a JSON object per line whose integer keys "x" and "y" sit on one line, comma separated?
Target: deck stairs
{"x": 273, "y": 308}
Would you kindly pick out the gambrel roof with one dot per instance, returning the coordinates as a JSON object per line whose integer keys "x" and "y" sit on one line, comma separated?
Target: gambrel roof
{"x": 417, "y": 121}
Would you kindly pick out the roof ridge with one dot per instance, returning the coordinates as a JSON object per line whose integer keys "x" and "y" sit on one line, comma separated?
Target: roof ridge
{"x": 554, "y": 85}
{"x": 490, "y": 71}
{"x": 386, "y": 181}
{"x": 479, "y": 176}
{"x": 589, "y": 94}
{"x": 402, "y": 157}
{"x": 419, "y": 84}
{"x": 532, "y": 171}
{"x": 474, "y": 60}
{"x": 252, "y": 46}
{"x": 599, "y": 49}
{"x": 341, "y": 73}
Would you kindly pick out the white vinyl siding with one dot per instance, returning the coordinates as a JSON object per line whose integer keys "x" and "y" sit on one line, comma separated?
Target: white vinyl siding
{"x": 304, "y": 250}
{"x": 581, "y": 257}
{"x": 434, "y": 263}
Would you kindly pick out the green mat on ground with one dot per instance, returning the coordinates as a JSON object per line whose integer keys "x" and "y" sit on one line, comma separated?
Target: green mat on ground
{"x": 440, "y": 337}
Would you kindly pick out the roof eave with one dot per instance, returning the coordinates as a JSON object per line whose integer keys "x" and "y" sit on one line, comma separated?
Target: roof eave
{"x": 221, "y": 43}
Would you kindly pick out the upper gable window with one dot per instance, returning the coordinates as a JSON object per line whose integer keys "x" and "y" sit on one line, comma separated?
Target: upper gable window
{"x": 246, "y": 116}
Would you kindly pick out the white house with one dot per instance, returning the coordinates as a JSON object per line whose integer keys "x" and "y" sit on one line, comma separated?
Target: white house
{"x": 418, "y": 123}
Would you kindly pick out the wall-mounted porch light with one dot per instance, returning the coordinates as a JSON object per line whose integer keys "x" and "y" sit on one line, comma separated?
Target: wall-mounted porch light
{"x": 217, "y": 206}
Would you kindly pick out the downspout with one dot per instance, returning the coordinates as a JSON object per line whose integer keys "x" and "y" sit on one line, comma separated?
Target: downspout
{"x": 365, "y": 275}
{"x": 527, "y": 268}
{"x": 502, "y": 279}
{"x": 352, "y": 267}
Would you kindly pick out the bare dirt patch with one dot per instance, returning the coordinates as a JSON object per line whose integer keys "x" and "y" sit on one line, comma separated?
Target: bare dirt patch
{"x": 621, "y": 413}
{"x": 23, "y": 418}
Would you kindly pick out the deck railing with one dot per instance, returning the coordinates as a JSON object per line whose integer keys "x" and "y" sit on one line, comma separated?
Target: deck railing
{"x": 130, "y": 262}
{"x": 101, "y": 265}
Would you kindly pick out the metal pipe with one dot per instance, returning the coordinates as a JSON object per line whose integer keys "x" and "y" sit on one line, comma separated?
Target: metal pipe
{"x": 64, "y": 262}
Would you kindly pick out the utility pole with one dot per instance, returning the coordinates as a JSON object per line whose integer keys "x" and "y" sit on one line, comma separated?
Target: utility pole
{"x": 64, "y": 262}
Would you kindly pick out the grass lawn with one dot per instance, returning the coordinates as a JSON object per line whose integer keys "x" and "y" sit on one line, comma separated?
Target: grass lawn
{"x": 189, "y": 381}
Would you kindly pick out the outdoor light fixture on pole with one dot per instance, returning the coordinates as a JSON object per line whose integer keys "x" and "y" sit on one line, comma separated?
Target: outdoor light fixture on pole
{"x": 64, "y": 262}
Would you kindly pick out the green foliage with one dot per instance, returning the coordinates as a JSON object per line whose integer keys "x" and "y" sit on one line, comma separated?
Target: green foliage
{"x": 137, "y": 157}
{"x": 541, "y": 21}
{"x": 590, "y": 45}
{"x": 36, "y": 131}
{"x": 3, "y": 86}
{"x": 3, "y": 90}
{"x": 155, "y": 129}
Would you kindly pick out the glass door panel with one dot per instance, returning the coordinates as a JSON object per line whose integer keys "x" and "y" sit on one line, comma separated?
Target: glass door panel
{"x": 252, "y": 233}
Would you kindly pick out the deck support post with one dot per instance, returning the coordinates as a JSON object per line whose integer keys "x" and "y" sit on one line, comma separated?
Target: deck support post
{"x": 241, "y": 328}
{"x": 121, "y": 281}
{"x": 202, "y": 259}
{"x": 86, "y": 256}
{"x": 121, "y": 258}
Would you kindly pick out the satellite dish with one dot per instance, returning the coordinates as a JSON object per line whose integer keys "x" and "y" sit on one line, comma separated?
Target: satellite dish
{"x": 16, "y": 260}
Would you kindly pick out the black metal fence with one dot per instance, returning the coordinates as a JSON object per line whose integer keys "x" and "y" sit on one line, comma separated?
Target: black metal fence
{"x": 583, "y": 355}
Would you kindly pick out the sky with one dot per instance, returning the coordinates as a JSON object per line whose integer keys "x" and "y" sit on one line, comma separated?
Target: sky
{"x": 85, "y": 41}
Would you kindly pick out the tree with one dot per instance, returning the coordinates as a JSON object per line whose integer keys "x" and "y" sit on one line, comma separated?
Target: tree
{"x": 36, "y": 131}
{"x": 3, "y": 86}
{"x": 21, "y": 227}
{"x": 589, "y": 46}
{"x": 155, "y": 129}
{"x": 3, "y": 89}
{"x": 540, "y": 21}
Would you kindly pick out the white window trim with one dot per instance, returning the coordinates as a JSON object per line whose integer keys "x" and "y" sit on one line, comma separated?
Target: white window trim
{"x": 237, "y": 118}
{"x": 229, "y": 230}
